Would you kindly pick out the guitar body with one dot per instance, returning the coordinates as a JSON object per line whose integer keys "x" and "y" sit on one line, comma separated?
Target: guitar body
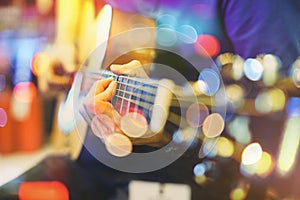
{"x": 67, "y": 136}
{"x": 170, "y": 73}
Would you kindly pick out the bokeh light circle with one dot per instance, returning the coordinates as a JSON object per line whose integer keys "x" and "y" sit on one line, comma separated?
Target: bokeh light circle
{"x": 213, "y": 125}
{"x": 189, "y": 34}
{"x": 251, "y": 154}
{"x": 211, "y": 79}
{"x": 199, "y": 169}
{"x": 166, "y": 37}
{"x": 118, "y": 145}
{"x": 196, "y": 113}
{"x": 253, "y": 69}
{"x": 207, "y": 45}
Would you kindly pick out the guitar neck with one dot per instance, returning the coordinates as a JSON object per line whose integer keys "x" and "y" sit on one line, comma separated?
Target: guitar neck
{"x": 142, "y": 93}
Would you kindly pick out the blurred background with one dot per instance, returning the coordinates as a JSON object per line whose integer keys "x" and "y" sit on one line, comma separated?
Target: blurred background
{"x": 256, "y": 157}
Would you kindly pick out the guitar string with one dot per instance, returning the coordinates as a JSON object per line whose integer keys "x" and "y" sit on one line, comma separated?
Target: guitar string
{"x": 173, "y": 117}
{"x": 141, "y": 81}
{"x": 150, "y": 86}
{"x": 121, "y": 106}
{"x": 130, "y": 96}
{"x": 149, "y": 89}
{"x": 174, "y": 101}
{"x": 134, "y": 93}
{"x": 138, "y": 101}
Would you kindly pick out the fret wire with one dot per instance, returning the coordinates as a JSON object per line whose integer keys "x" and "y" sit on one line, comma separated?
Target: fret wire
{"x": 118, "y": 91}
{"x": 136, "y": 91}
{"x": 129, "y": 96}
{"x": 147, "y": 89}
{"x": 138, "y": 97}
{"x": 142, "y": 81}
{"x": 135, "y": 104}
{"x": 138, "y": 82}
{"x": 142, "y": 104}
{"x": 148, "y": 98}
{"x": 122, "y": 101}
{"x": 120, "y": 94}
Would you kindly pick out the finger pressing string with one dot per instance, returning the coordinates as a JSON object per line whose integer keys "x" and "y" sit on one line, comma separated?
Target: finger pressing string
{"x": 102, "y": 84}
{"x": 108, "y": 91}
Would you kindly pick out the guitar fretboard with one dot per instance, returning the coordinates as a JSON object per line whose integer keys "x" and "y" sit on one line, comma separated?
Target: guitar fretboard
{"x": 132, "y": 94}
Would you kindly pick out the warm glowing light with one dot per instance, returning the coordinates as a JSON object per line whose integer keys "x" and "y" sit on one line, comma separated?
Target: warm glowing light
{"x": 134, "y": 124}
{"x": 235, "y": 94}
{"x": 265, "y": 165}
{"x": 118, "y": 145}
{"x": 44, "y": 6}
{"x": 25, "y": 91}
{"x": 253, "y": 69}
{"x": 238, "y": 128}
{"x": 200, "y": 87}
{"x": 271, "y": 100}
{"x": 225, "y": 58}
{"x": 207, "y": 45}
{"x": 166, "y": 37}
{"x": 213, "y": 125}
{"x": 271, "y": 64}
{"x": 200, "y": 179}
{"x": 296, "y": 77}
{"x": 88, "y": 29}
{"x": 48, "y": 190}
{"x": 211, "y": 79}
{"x": 40, "y": 63}
{"x": 289, "y": 146}
{"x": 3, "y": 117}
{"x": 67, "y": 14}
{"x": 296, "y": 73}
{"x": 225, "y": 147}
{"x": 188, "y": 34}
{"x": 238, "y": 67}
{"x": 238, "y": 194}
{"x": 196, "y": 113}
{"x": 102, "y": 126}
{"x": 263, "y": 102}
{"x": 251, "y": 154}
{"x": 232, "y": 65}
{"x": 278, "y": 99}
